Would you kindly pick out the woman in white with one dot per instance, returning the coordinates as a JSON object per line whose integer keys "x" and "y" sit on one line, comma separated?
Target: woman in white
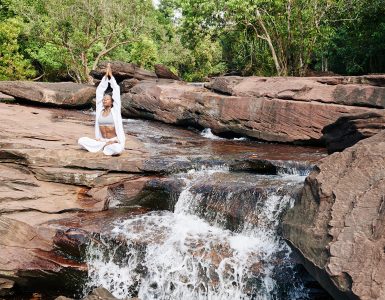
{"x": 109, "y": 133}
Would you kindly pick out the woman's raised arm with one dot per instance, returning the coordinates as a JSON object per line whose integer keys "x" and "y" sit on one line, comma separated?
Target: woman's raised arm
{"x": 103, "y": 85}
{"x": 115, "y": 93}
{"x": 100, "y": 90}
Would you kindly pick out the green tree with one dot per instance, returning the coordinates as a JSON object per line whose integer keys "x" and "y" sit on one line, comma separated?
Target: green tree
{"x": 357, "y": 42}
{"x": 13, "y": 65}
{"x": 289, "y": 29}
{"x": 144, "y": 52}
{"x": 5, "y": 10}
{"x": 85, "y": 31}
{"x": 195, "y": 55}
{"x": 205, "y": 59}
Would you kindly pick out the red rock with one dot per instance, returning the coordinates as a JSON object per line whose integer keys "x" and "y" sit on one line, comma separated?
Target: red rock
{"x": 338, "y": 225}
{"x": 347, "y": 131}
{"x": 254, "y": 115}
{"x": 122, "y": 70}
{"x": 163, "y": 72}
{"x": 39, "y": 187}
{"x": 25, "y": 255}
{"x": 67, "y": 94}
{"x": 128, "y": 84}
{"x": 311, "y": 89}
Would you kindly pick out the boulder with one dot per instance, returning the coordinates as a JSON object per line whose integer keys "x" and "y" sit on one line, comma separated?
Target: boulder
{"x": 372, "y": 79}
{"x": 122, "y": 70}
{"x": 348, "y": 130}
{"x": 100, "y": 294}
{"x": 6, "y": 98}
{"x": 65, "y": 94}
{"x": 6, "y": 287}
{"x": 249, "y": 114}
{"x": 338, "y": 224}
{"x": 224, "y": 84}
{"x": 163, "y": 72}
{"x": 127, "y": 84}
{"x": 346, "y": 91}
{"x": 26, "y": 255}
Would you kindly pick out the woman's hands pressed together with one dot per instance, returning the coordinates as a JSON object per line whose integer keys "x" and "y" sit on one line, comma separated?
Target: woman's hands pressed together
{"x": 108, "y": 71}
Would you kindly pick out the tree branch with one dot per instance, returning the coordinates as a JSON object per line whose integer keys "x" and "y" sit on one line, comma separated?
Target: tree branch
{"x": 104, "y": 52}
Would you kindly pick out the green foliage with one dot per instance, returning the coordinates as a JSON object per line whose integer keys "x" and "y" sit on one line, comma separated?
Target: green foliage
{"x": 5, "y": 10}
{"x": 144, "y": 53}
{"x": 280, "y": 33}
{"x": 83, "y": 31}
{"x": 357, "y": 45}
{"x": 51, "y": 59}
{"x": 204, "y": 59}
{"x": 194, "y": 38}
{"x": 13, "y": 65}
{"x": 244, "y": 54}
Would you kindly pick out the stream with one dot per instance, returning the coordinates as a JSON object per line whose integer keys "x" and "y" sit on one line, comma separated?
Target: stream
{"x": 220, "y": 239}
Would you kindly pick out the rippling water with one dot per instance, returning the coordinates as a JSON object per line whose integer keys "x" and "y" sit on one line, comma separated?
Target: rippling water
{"x": 191, "y": 253}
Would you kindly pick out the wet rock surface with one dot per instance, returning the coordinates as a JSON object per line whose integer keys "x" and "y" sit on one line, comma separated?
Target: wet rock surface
{"x": 55, "y": 197}
{"x": 238, "y": 199}
{"x": 338, "y": 223}
{"x": 27, "y": 258}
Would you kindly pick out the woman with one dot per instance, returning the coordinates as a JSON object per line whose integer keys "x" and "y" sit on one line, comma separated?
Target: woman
{"x": 109, "y": 132}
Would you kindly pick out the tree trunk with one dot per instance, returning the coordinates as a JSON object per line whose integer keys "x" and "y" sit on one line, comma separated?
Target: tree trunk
{"x": 86, "y": 77}
{"x": 270, "y": 43}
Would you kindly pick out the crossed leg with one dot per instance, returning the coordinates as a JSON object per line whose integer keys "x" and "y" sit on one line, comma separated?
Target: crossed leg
{"x": 92, "y": 145}
{"x": 113, "y": 149}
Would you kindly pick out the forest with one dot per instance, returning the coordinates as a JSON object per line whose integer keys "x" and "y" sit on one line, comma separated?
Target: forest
{"x": 55, "y": 40}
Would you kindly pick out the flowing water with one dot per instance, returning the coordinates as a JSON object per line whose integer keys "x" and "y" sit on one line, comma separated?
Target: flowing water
{"x": 191, "y": 254}
{"x": 221, "y": 240}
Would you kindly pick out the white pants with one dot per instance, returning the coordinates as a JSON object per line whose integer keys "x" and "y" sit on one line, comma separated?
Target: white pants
{"x": 95, "y": 146}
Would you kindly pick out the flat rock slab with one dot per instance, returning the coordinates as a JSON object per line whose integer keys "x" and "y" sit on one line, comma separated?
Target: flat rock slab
{"x": 44, "y": 170}
{"x": 339, "y": 223}
{"x": 67, "y": 94}
{"x": 21, "y": 191}
{"x": 357, "y": 91}
{"x": 252, "y": 114}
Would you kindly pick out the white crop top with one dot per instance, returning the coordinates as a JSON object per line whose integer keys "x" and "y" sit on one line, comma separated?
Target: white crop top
{"x": 106, "y": 120}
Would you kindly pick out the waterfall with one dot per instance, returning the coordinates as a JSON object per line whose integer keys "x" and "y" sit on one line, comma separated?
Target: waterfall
{"x": 192, "y": 254}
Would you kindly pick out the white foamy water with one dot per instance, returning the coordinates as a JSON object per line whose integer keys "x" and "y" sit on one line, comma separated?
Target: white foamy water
{"x": 240, "y": 139}
{"x": 207, "y": 133}
{"x": 178, "y": 255}
{"x": 293, "y": 168}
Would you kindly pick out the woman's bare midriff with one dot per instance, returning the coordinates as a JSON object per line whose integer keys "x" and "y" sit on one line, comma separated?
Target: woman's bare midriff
{"x": 108, "y": 132}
